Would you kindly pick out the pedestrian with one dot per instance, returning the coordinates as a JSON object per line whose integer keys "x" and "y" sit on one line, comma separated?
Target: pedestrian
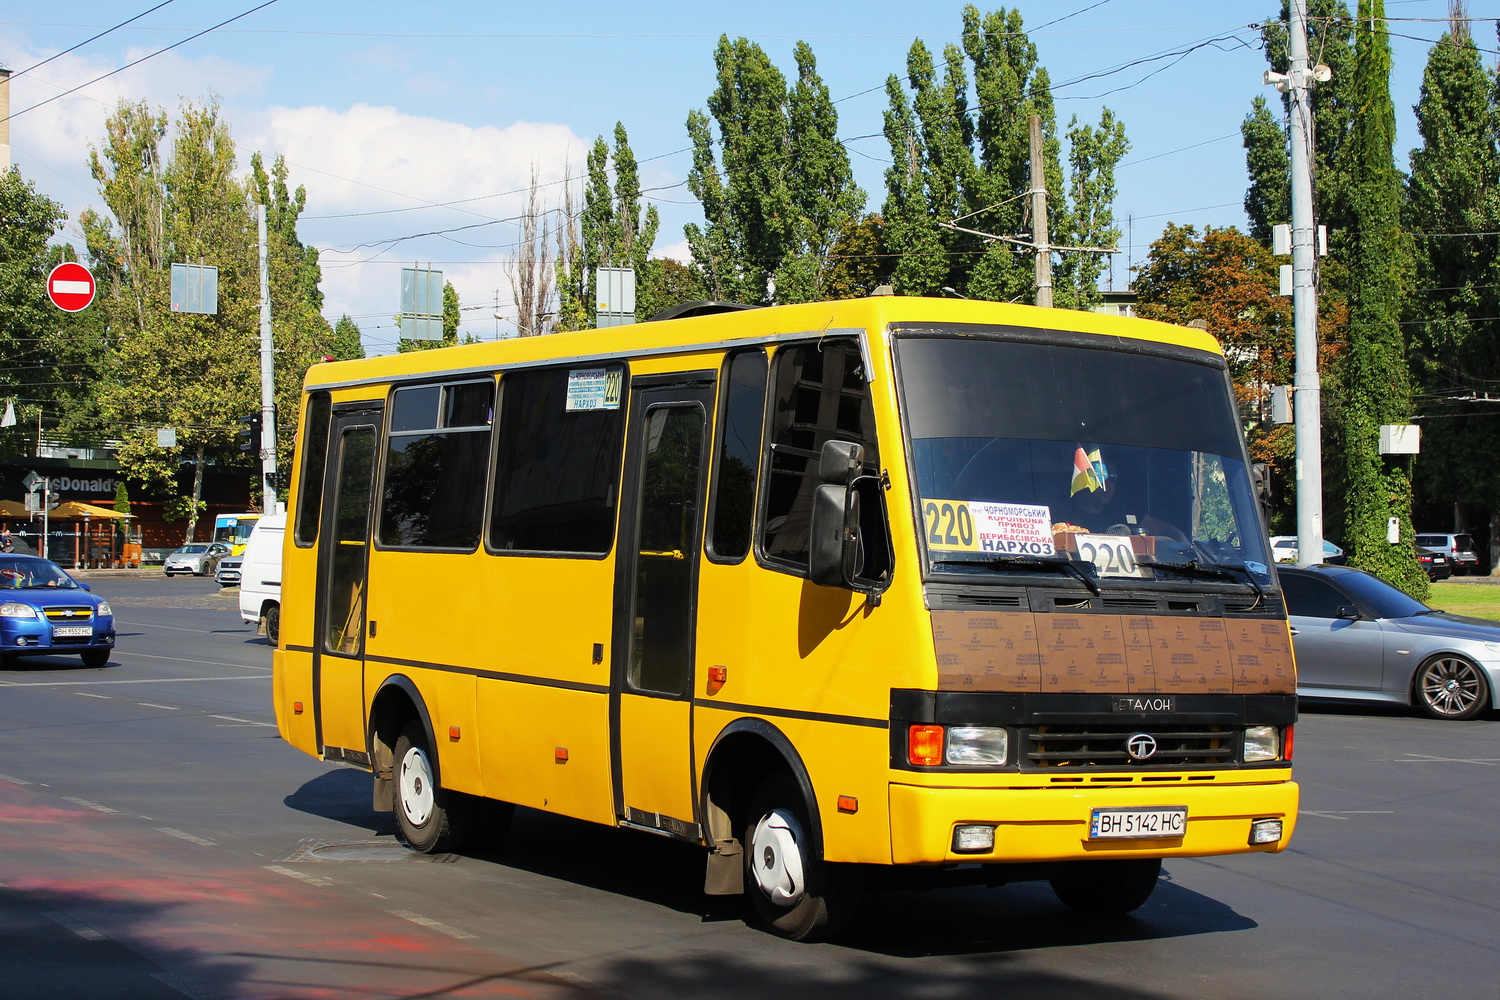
{"x": 6, "y": 545}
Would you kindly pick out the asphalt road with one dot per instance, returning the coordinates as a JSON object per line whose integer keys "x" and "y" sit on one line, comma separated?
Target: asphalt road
{"x": 158, "y": 840}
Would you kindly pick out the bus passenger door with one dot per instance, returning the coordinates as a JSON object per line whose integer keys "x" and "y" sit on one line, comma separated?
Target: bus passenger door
{"x": 343, "y": 561}
{"x": 661, "y": 522}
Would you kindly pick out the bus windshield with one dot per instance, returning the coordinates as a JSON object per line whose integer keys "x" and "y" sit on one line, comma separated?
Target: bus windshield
{"x": 1040, "y": 449}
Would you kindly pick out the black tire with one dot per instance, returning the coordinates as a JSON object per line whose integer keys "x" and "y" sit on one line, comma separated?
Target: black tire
{"x": 95, "y": 657}
{"x": 273, "y": 624}
{"x": 1106, "y": 888}
{"x": 429, "y": 819}
{"x": 1450, "y": 687}
{"x": 794, "y": 893}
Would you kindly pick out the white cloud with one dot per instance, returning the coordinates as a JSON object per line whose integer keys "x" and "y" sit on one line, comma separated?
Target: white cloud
{"x": 373, "y": 176}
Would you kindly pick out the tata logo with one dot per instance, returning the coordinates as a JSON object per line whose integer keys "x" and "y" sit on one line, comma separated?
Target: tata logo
{"x": 1141, "y": 746}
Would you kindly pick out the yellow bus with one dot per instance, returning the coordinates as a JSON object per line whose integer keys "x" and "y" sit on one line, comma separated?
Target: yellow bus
{"x": 234, "y": 530}
{"x": 935, "y": 588}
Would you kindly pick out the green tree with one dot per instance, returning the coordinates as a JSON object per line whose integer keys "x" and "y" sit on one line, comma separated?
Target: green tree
{"x": 44, "y": 350}
{"x": 784, "y": 191}
{"x": 1453, "y": 209}
{"x": 955, "y": 191}
{"x": 347, "y": 342}
{"x": 194, "y": 373}
{"x": 1377, "y": 383}
{"x": 612, "y": 231}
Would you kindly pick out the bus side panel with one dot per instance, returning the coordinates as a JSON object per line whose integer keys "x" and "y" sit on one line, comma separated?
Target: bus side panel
{"x": 833, "y": 658}
{"x": 292, "y": 664}
{"x": 291, "y": 686}
{"x": 420, "y": 611}
{"x": 547, "y": 748}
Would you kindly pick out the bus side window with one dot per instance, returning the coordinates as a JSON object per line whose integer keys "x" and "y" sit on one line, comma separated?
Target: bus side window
{"x": 742, "y": 415}
{"x": 437, "y": 453}
{"x": 314, "y": 446}
{"x": 557, "y": 464}
{"x": 819, "y": 394}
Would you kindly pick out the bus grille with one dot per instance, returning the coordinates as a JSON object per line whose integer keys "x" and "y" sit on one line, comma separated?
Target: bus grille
{"x": 1104, "y": 746}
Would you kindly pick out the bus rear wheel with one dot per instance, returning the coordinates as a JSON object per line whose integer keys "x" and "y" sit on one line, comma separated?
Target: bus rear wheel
{"x": 429, "y": 819}
{"x": 1106, "y": 888}
{"x": 794, "y": 892}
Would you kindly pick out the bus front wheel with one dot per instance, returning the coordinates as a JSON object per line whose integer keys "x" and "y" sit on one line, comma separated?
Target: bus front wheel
{"x": 428, "y": 818}
{"x": 794, "y": 892}
{"x": 1106, "y": 888}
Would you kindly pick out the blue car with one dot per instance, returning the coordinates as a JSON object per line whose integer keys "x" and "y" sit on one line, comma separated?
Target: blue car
{"x": 45, "y": 611}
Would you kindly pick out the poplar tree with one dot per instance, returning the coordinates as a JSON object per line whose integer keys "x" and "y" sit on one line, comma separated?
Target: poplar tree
{"x": 970, "y": 166}
{"x": 1377, "y": 383}
{"x": 1453, "y": 209}
{"x": 780, "y": 192}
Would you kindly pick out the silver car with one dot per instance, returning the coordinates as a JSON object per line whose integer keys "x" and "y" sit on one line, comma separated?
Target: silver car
{"x": 1357, "y": 637}
{"x": 228, "y": 573}
{"x": 197, "y": 558}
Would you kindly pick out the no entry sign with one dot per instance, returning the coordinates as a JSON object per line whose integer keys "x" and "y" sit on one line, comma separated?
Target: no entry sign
{"x": 70, "y": 286}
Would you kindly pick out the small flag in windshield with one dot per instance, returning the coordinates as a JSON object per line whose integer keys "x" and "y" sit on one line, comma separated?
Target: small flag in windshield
{"x": 1088, "y": 470}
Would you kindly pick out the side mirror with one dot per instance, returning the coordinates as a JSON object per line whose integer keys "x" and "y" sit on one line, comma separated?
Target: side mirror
{"x": 1260, "y": 481}
{"x": 1349, "y": 612}
{"x": 833, "y": 553}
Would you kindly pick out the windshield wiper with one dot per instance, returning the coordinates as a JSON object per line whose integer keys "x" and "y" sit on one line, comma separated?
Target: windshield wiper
{"x": 1200, "y": 565}
{"x": 1011, "y": 560}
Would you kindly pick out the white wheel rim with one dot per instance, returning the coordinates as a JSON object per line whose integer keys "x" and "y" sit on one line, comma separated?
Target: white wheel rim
{"x": 776, "y": 858}
{"x": 415, "y": 784}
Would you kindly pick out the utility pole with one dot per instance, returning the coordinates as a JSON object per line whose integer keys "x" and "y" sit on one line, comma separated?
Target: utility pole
{"x": 269, "y": 502}
{"x": 1307, "y": 392}
{"x": 1041, "y": 235}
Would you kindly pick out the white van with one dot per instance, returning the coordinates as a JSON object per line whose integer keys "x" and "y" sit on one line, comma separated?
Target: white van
{"x": 260, "y": 576}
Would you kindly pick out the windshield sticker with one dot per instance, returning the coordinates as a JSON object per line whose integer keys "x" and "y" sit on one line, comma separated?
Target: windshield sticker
{"x": 594, "y": 389}
{"x": 989, "y": 528}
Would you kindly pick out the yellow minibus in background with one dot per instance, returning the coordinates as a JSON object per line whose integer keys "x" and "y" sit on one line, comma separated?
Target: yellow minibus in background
{"x": 949, "y": 589}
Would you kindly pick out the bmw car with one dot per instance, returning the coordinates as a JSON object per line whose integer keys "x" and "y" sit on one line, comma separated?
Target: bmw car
{"x": 44, "y": 611}
{"x": 1358, "y": 638}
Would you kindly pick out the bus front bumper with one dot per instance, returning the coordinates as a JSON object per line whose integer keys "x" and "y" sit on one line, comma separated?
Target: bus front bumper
{"x": 1054, "y": 824}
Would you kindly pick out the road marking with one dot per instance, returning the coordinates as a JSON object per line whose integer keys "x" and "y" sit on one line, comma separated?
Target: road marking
{"x": 82, "y": 930}
{"x": 182, "y": 659}
{"x": 166, "y": 708}
{"x": 133, "y": 680}
{"x": 303, "y": 876}
{"x": 90, "y": 694}
{"x": 14, "y": 781}
{"x": 1345, "y": 813}
{"x": 435, "y": 925}
{"x": 90, "y": 805}
{"x": 244, "y": 722}
{"x": 185, "y": 836}
{"x": 1422, "y": 758}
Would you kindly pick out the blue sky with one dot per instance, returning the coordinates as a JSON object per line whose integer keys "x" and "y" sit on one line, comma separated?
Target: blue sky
{"x": 407, "y": 119}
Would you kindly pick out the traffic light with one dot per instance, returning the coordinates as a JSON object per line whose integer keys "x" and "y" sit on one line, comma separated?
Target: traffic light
{"x": 250, "y": 436}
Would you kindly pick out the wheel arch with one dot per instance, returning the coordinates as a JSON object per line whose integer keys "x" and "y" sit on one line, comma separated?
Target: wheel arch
{"x": 397, "y": 703}
{"x": 1491, "y": 699}
{"x": 743, "y": 754}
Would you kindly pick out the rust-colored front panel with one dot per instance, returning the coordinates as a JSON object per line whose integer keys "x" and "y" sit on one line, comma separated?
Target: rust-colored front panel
{"x": 1136, "y": 654}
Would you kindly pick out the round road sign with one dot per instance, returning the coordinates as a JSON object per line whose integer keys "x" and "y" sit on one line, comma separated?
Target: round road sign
{"x": 70, "y": 286}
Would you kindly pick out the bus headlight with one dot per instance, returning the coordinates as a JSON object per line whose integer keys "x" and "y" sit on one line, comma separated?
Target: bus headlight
{"x": 1262, "y": 743}
{"x": 977, "y": 745}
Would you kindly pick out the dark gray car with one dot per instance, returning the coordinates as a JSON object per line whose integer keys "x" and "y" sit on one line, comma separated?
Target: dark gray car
{"x": 1357, "y": 637}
